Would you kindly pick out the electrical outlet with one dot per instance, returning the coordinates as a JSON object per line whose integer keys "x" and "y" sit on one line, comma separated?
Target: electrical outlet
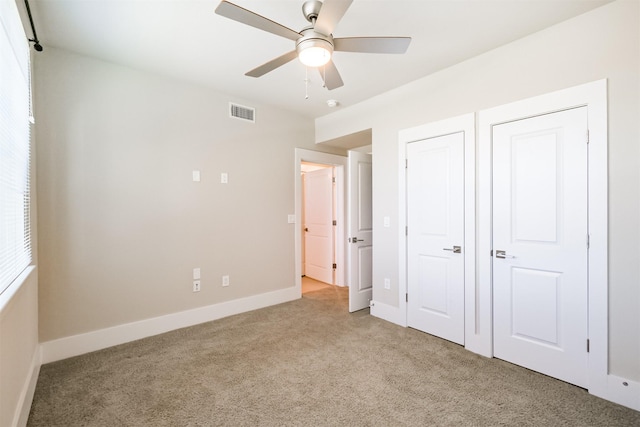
{"x": 196, "y": 286}
{"x": 224, "y": 178}
{"x": 225, "y": 280}
{"x": 387, "y": 283}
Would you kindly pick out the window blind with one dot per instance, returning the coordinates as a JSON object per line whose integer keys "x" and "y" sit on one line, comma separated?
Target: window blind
{"x": 15, "y": 233}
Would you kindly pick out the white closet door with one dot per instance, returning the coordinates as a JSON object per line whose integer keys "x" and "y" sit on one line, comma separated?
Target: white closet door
{"x": 435, "y": 218}
{"x": 540, "y": 244}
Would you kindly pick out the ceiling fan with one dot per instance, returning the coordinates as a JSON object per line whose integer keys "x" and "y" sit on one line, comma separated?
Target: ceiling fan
{"x": 315, "y": 43}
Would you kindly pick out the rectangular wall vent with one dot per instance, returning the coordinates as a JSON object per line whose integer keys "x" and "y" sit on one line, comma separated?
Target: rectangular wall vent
{"x": 241, "y": 112}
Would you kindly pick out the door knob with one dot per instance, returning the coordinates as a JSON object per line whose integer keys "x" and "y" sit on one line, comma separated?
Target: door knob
{"x": 455, "y": 249}
{"x": 503, "y": 255}
{"x": 306, "y": 229}
{"x": 355, "y": 240}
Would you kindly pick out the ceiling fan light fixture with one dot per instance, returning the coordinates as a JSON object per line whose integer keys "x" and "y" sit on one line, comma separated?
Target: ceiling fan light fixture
{"x": 314, "y": 52}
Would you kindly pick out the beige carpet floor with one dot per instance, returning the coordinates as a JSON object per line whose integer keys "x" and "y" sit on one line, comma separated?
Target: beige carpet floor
{"x": 306, "y": 363}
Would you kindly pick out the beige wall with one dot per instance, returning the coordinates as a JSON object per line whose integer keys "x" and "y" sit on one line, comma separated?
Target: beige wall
{"x": 604, "y": 43}
{"x": 122, "y": 225}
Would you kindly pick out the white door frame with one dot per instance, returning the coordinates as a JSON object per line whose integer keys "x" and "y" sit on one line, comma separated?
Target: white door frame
{"x": 466, "y": 124}
{"x": 340, "y": 163}
{"x": 594, "y": 96}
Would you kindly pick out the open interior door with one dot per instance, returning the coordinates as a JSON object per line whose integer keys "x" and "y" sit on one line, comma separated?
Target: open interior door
{"x": 360, "y": 231}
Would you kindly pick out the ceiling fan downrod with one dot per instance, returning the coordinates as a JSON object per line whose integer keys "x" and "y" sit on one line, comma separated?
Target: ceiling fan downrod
{"x": 311, "y": 10}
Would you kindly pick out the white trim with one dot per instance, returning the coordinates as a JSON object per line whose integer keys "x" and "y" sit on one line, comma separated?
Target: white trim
{"x": 616, "y": 391}
{"x": 96, "y": 340}
{"x": 341, "y": 164}
{"x": 7, "y": 295}
{"x": 594, "y": 96}
{"x": 341, "y": 227}
{"x": 388, "y": 312}
{"x": 21, "y": 415}
{"x": 402, "y": 230}
{"x": 466, "y": 124}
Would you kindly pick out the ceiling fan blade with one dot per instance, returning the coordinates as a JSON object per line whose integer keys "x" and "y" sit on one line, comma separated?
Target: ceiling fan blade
{"x": 372, "y": 44}
{"x": 242, "y": 15}
{"x": 273, "y": 64}
{"x": 331, "y": 76}
{"x": 330, "y": 14}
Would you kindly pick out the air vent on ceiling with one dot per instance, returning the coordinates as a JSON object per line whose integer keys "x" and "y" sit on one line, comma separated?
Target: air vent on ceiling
{"x": 241, "y": 112}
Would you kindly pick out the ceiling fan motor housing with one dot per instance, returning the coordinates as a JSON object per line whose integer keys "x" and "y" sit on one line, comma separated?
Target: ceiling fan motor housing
{"x": 311, "y": 38}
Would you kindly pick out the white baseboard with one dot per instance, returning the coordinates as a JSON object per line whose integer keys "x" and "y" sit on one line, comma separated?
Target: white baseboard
{"x": 621, "y": 391}
{"x": 76, "y": 345}
{"x": 388, "y": 312}
{"x": 29, "y": 388}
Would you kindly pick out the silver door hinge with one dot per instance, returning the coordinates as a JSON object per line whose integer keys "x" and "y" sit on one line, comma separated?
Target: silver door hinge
{"x": 587, "y": 136}
{"x": 406, "y": 230}
{"x": 491, "y": 253}
{"x": 588, "y": 241}
{"x": 588, "y": 345}
{"x": 406, "y": 163}
{"x": 335, "y": 222}
{"x": 406, "y": 296}
{"x": 333, "y": 179}
{"x": 335, "y": 266}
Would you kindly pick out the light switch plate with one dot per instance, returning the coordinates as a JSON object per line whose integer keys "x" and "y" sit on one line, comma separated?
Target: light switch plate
{"x": 196, "y": 176}
{"x": 196, "y": 273}
{"x": 224, "y": 178}
{"x": 387, "y": 221}
{"x": 291, "y": 219}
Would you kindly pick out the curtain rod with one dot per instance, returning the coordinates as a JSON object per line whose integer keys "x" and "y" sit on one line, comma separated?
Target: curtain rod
{"x": 36, "y": 43}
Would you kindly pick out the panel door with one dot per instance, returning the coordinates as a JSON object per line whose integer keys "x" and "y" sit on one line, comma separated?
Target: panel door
{"x": 360, "y": 230}
{"x": 540, "y": 244}
{"x": 318, "y": 225}
{"x": 435, "y": 218}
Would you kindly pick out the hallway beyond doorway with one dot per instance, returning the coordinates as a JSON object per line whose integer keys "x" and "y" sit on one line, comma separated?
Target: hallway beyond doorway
{"x": 312, "y": 285}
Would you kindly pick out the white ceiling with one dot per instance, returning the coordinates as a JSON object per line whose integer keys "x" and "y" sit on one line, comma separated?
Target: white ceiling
{"x": 187, "y": 40}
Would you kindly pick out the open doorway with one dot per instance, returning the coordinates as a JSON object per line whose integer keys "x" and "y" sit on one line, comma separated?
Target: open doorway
{"x": 324, "y": 169}
{"x": 341, "y": 166}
